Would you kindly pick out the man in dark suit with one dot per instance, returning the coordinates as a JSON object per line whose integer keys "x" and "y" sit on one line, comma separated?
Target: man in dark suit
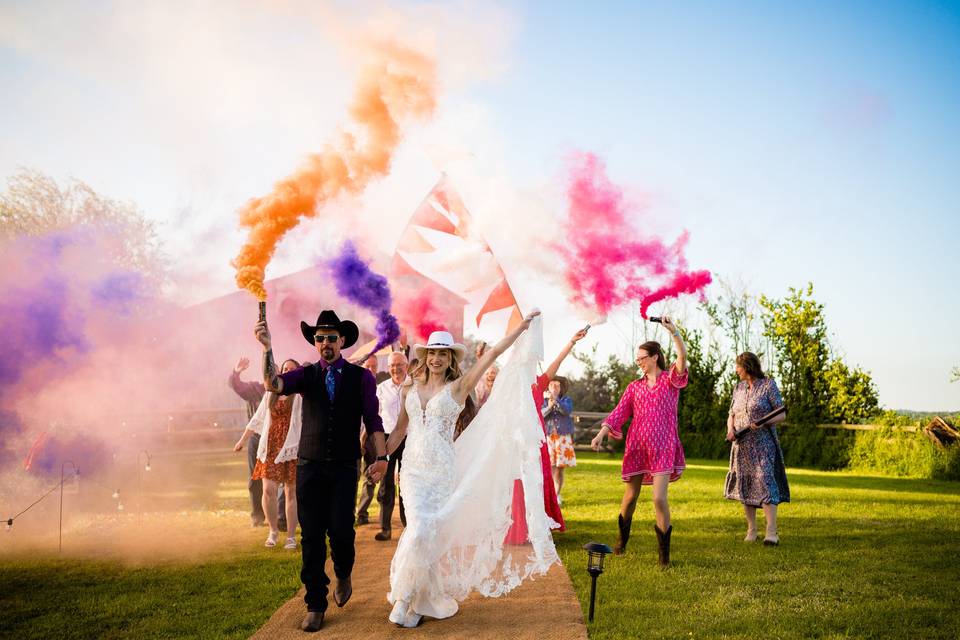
{"x": 337, "y": 395}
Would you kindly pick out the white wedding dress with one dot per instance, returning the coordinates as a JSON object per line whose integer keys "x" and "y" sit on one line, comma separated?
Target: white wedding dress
{"x": 458, "y": 495}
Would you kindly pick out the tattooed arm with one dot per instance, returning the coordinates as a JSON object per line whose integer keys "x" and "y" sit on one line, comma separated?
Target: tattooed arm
{"x": 271, "y": 379}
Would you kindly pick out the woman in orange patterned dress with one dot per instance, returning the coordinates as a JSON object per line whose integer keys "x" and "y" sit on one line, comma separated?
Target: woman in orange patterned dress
{"x": 278, "y": 421}
{"x": 557, "y": 408}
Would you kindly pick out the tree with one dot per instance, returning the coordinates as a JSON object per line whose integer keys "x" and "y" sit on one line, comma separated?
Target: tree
{"x": 734, "y": 312}
{"x": 703, "y": 405}
{"x": 852, "y": 396}
{"x": 600, "y": 386}
{"x": 34, "y": 205}
{"x": 955, "y": 375}
{"x": 798, "y": 333}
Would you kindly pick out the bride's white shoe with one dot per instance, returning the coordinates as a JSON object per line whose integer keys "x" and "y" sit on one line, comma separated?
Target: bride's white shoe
{"x": 402, "y": 616}
{"x": 413, "y": 620}
{"x": 399, "y": 612}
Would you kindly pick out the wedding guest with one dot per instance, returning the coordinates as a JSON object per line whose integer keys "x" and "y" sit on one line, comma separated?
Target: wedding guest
{"x": 557, "y": 409}
{"x": 368, "y": 485}
{"x": 485, "y": 386}
{"x": 277, "y": 427}
{"x": 757, "y": 477}
{"x": 389, "y": 394}
{"x": 518, "y": 534}
{"x": 372, "y": 364}
{"x": 252, "y": 393}
{"x": 653, "y": 455}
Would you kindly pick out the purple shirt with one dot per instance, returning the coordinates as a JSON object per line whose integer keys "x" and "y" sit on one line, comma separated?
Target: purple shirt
{"x": 296, "y": 382}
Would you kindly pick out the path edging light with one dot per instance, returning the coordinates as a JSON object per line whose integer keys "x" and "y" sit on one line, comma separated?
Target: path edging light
{"x": 596, "y": 552}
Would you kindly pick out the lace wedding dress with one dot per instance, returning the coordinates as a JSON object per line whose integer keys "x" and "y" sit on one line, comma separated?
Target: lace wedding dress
{"x": 458, "y": 495}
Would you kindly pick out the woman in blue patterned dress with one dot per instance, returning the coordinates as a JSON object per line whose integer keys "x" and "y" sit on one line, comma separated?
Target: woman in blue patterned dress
{"x": 757, "y": 477}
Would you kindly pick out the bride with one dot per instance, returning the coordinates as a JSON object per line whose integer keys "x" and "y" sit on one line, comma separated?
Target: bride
{"x": 458, "y": 494}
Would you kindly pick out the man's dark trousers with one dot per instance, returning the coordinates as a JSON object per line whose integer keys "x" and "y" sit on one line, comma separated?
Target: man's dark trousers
{"x": 388, "y": 490}
{"x": 369, "y": 487}
{"x": 326, "y": 493}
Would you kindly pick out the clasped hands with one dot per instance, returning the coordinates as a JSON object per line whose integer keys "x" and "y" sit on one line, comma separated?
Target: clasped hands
{"x": 376, "y": 470}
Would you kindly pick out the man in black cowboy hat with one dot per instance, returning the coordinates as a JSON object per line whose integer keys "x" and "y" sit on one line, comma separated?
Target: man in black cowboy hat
{"x": 336, "y": 395}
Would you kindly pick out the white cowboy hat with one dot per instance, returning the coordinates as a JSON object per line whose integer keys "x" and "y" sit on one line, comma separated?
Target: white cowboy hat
{"x": 440, "y": 340}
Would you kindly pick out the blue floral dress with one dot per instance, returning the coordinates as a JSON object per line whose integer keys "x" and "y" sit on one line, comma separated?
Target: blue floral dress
{"x": 757, "y": 475}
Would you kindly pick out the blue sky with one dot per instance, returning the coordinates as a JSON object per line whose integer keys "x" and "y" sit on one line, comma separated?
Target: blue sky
{"x": 814, "y": 143}
{"x": 809, "y": 142}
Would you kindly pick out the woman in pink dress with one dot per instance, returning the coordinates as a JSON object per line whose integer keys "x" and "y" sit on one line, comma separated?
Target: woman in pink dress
{"x": 653, "y": 453}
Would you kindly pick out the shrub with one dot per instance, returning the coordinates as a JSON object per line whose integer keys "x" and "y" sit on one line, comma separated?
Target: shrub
{"x": 904, "y": 453}
{"x": 809, "y": 446}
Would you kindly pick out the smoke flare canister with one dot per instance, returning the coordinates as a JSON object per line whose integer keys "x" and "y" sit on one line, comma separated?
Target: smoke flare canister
{"x": 263, "y": 311}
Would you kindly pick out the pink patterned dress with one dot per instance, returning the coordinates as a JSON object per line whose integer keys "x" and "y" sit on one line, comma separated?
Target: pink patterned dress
{"x": 653, "y": 446}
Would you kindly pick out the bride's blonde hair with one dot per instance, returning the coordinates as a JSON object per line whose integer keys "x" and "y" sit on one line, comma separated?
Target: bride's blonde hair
{"x": 422, "y": 374}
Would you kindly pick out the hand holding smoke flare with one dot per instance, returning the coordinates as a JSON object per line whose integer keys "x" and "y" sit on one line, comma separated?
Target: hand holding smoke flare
{"x": 356, "y": 282}
{"x": 607, "y": 262}
{"x": 399, "y": 84}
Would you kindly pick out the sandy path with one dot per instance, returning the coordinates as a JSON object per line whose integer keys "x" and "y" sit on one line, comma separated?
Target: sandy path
{"x": 546, "y": 608}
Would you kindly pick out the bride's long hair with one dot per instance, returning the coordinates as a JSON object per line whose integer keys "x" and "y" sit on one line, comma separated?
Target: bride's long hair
{"x": 421, "y": 374}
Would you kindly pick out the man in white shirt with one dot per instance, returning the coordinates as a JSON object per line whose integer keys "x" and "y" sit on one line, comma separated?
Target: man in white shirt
{"x": 389, "y": 394}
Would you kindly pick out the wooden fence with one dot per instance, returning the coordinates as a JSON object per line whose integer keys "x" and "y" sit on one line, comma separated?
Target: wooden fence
{"x": 587, "y": 425}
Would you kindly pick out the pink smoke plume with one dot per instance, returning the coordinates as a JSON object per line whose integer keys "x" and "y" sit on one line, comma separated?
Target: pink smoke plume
{"x": 607, "y": 261}
{"x": 418, "y": 313}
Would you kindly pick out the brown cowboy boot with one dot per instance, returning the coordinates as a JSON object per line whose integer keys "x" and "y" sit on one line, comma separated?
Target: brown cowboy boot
{"x": 663, "y": 540}
{"x": 343, "y": 591}
{"x": 313, "y": 622}
{"x": 624, "y": 525}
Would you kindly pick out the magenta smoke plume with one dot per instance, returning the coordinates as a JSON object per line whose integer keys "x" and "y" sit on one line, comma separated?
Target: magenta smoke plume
{"x": 356, "y": 282}
{"x": 608, "y": 261}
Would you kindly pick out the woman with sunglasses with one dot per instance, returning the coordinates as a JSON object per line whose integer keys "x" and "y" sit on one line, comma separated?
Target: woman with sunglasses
{"x": 653, "y": 454}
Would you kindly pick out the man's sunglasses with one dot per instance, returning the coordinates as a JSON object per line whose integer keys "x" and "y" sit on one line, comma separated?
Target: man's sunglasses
{"x": 327, "y": 338}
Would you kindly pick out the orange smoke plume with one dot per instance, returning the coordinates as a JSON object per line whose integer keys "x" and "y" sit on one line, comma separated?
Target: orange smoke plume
{"x": 400, "y": 84}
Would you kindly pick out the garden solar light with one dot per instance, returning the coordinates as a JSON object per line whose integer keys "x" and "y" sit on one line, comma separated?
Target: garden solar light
{"x": 596, "y": 552}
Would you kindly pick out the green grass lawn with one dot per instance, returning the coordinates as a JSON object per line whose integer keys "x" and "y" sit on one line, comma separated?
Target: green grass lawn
{"x": 193, "y": 569}
{"x": 860, "y": 557}
{"x": 227, "y": 597}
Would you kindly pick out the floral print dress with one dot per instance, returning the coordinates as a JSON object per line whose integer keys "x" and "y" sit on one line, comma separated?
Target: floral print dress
{"x": 283, "y": 472}
{"x": 757, "y": 475}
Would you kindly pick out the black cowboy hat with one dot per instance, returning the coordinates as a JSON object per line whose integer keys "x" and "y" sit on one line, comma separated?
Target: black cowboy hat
{"x": 328, "y": 320}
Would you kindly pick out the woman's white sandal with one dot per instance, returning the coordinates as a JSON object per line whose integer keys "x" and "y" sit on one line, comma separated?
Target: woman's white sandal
{"x": 272, "y": 539}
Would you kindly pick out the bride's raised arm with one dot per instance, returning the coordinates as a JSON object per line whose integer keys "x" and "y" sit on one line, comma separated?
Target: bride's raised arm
{"x": 469, "y": 380}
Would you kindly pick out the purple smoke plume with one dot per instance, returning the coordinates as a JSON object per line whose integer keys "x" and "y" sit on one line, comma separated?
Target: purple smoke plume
{"x": 119, "y": 289}
{"x": 56, "y": 291}
{"x": 36, "y": 319}
{"x": 356, "y": 282}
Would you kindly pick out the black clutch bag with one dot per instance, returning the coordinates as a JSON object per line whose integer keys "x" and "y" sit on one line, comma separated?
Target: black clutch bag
{"x": 762, "y": 421}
